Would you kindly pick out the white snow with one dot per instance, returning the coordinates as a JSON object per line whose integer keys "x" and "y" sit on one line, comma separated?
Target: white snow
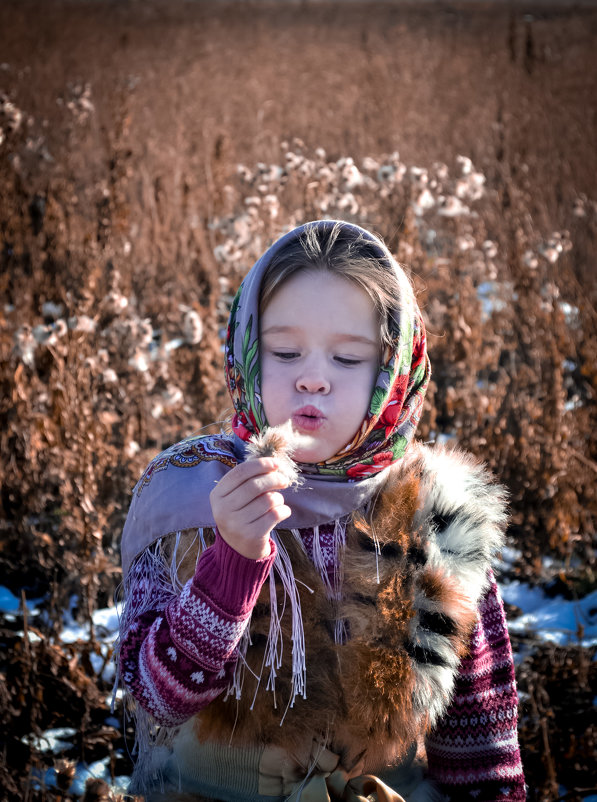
{"x": 105, "y": 622}
{"x": 555, "y": 620}
{"x": 53, "y": 740}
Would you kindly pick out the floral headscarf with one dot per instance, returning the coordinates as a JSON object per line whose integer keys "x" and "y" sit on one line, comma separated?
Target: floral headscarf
{"x": 397, "y": 399}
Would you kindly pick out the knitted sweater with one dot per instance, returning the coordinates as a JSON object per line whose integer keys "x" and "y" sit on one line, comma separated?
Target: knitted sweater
{"x": 179, "y": 655}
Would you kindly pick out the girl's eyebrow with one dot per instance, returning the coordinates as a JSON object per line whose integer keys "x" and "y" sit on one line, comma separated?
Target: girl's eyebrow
{"x": 339, "y": 337}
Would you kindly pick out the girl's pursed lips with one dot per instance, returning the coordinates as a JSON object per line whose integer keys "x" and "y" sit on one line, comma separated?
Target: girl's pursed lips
{"x": 308, "y": 419}
{"x": 309, "y": 411}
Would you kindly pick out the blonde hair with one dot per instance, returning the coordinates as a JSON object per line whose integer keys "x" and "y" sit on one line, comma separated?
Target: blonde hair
{"x": 346, "y": 252}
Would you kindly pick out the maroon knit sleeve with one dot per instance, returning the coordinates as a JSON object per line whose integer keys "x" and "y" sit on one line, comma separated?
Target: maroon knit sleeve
{"x": 180, "y": 652}
{"x": 473, "y": 752}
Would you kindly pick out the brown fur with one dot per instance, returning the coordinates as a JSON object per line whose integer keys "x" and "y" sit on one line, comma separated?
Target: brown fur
{"x": 187, "y": 552}
{"x": 359, "y": 693}
{"x": 376, "y": 670}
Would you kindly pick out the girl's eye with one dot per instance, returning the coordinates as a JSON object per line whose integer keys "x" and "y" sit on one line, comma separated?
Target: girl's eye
{"x": 285, "y": 356}
{"x": 344, "y": 360}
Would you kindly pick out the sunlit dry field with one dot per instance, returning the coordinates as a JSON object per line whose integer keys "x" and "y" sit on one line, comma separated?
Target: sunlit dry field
{"x": 149, "y": 152}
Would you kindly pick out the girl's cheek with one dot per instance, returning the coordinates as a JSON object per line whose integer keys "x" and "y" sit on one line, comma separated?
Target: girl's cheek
{"x": 266, "y": 367}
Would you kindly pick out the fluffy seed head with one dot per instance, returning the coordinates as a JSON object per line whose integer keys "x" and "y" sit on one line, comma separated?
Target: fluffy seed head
{"x": 280, "y": 442}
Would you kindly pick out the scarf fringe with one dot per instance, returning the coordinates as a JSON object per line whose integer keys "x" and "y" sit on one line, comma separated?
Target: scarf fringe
{"x": 274, "y": 650}
{"x": 333, "y": 584}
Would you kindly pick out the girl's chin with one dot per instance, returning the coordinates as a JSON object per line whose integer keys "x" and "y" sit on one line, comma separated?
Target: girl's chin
{"x": 307, "y": 450}
{"x": 307, "y": 459}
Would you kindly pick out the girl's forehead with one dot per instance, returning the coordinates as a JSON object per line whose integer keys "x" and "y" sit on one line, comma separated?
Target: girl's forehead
{"x": 326, "y": 285}
{"x": 321, "y": 300}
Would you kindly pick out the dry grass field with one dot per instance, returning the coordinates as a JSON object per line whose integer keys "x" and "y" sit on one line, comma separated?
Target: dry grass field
{"x": 149, "y": 151}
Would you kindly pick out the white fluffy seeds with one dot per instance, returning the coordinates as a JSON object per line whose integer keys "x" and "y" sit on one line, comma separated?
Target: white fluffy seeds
{"x": 280, "y": 442}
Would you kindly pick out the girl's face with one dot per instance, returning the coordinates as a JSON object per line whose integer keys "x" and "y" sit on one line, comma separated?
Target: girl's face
{"x": 320, "y": 352}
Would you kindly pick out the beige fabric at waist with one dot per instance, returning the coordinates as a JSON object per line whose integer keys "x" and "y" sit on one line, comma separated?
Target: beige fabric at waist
{"x": 209, "y": 772}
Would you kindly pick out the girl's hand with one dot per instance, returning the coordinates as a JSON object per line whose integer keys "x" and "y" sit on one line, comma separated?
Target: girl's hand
{"x": 246, "y": 505}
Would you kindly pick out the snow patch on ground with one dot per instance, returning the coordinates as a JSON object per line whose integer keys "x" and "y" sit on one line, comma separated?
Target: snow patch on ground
{"x": 556, "y": 620}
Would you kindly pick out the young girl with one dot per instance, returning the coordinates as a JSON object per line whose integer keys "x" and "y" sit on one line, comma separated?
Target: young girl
{"x": 329, "y": 627}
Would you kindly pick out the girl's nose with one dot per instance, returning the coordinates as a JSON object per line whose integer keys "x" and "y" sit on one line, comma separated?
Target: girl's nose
{"x": 313, "y": 380}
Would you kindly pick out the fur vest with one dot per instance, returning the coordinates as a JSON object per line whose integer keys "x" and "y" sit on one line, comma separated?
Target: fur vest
{"x": 413, "y": 569}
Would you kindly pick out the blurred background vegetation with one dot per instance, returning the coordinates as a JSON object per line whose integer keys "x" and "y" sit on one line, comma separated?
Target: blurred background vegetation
{"x": 148, "y": 153}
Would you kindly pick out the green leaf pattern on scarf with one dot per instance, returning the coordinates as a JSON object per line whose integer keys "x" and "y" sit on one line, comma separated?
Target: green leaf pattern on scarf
{"x": 377, "y": 401}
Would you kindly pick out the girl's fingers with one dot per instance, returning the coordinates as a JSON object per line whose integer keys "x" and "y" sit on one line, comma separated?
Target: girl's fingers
{"x": 250, "y": 489}
{"x": 254, "y": 541}
{"x": 244, "y": 472}
{"x": 268, "y": 521}
{"x": 260, "y": 506}
{"x": 238, "y": 520}
{"x": 256, "y": 519}
{"x": 246, "y": 504}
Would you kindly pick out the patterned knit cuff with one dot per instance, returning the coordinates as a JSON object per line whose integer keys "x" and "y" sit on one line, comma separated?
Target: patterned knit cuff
{"x": 230, "y": 580}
